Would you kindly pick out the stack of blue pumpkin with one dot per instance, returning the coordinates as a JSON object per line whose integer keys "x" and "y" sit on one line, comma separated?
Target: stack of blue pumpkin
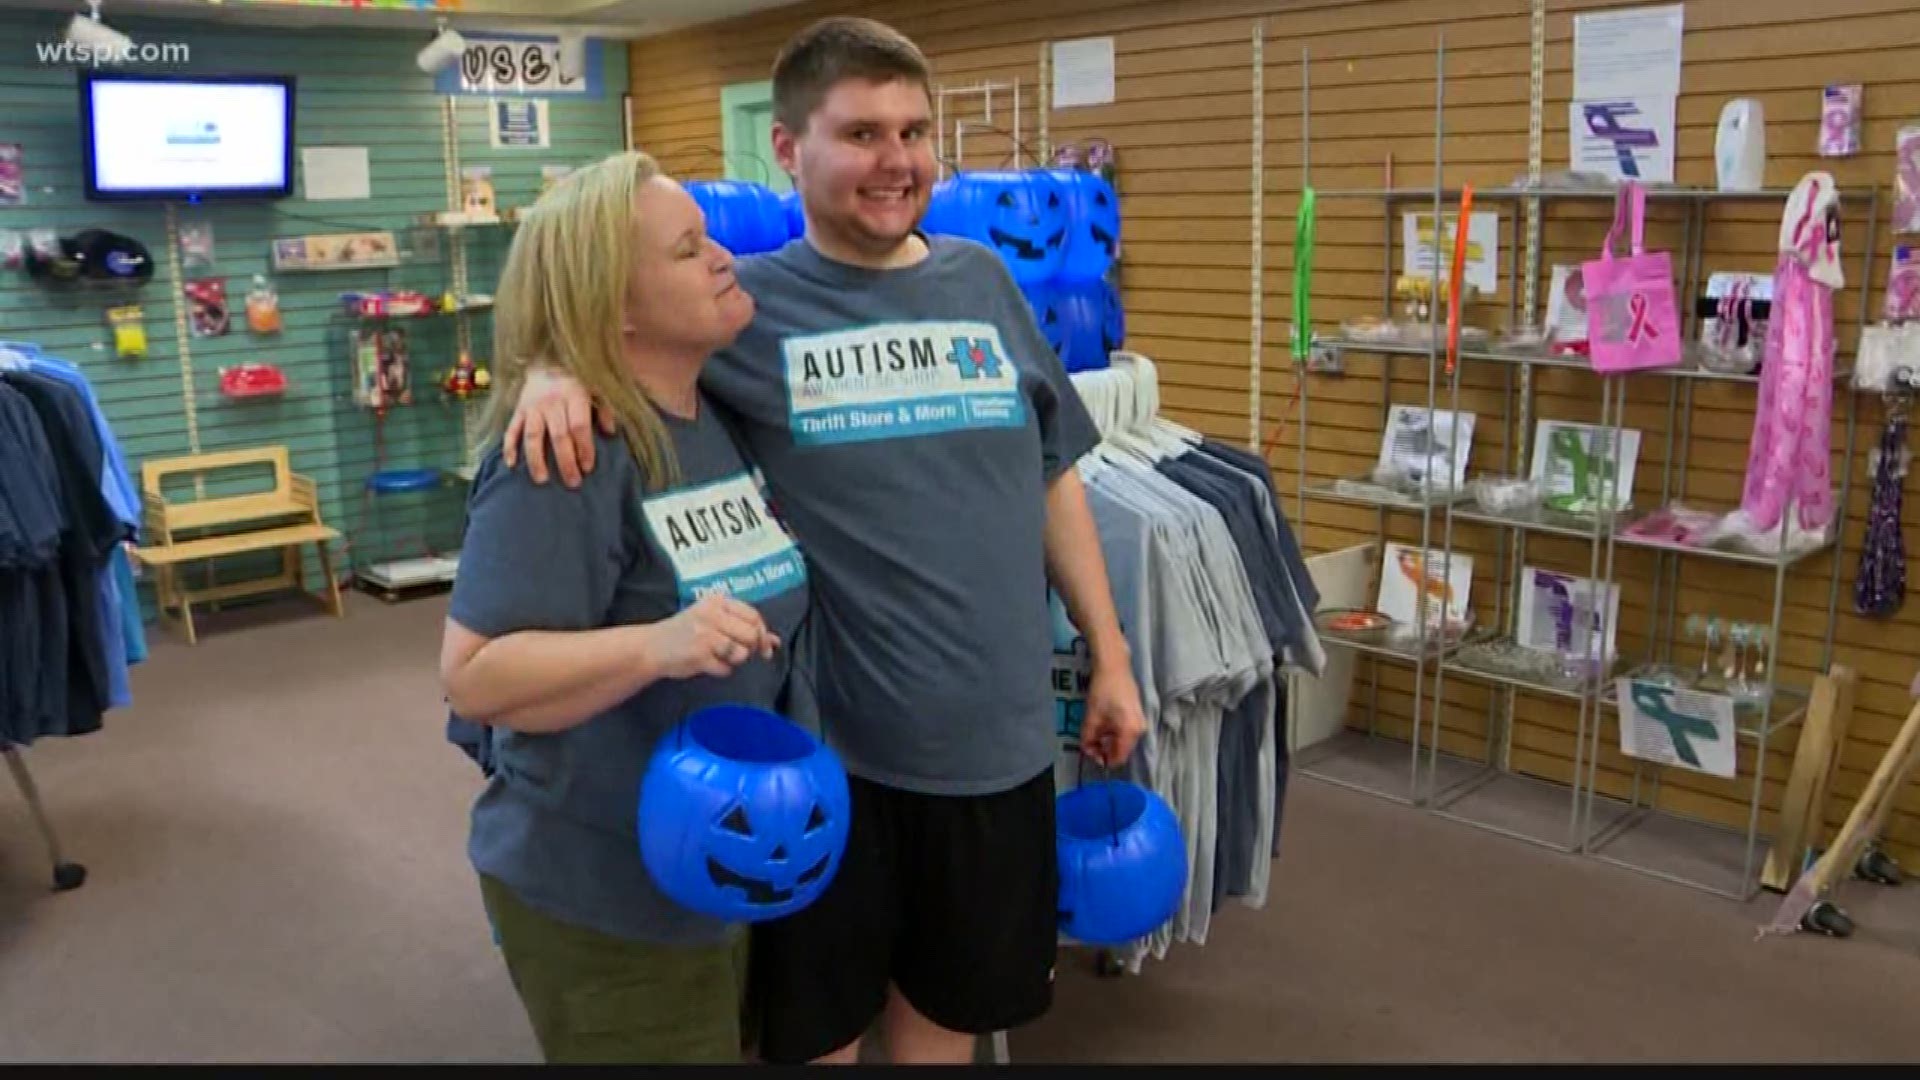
{"x": 747, "y": 218}
{"x": 1057, "y": 230}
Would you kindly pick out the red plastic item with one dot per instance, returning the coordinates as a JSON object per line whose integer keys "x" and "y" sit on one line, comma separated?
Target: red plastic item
{"x": 252, "y": 380}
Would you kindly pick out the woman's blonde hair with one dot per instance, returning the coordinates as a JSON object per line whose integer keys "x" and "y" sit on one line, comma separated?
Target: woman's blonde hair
{"x": 562, "y": 301}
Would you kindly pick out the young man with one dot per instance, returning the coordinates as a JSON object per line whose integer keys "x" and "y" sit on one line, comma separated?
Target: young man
{"x": 918, "y": 436}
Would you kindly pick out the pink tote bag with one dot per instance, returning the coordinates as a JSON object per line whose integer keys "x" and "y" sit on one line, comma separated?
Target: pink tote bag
{"x": 1632, "y": 322}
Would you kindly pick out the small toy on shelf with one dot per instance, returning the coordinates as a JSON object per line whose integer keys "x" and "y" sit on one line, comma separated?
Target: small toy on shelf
{"x": 466, "y": 379}
{"x": 452, "y": 303}
{"x": 476, "y": 194}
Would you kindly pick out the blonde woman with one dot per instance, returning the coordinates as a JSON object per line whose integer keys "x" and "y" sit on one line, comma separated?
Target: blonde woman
{"x": 586, "y": 622}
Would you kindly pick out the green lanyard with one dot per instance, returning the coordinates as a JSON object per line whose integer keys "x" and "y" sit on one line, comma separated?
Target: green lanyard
{"x": 1303, "y": 276}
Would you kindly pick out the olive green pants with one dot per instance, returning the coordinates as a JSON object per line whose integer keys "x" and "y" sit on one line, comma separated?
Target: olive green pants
{"x": 601, "y": 999}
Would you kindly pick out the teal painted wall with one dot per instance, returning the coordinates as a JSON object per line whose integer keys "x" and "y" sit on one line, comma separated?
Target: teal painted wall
{"x": 354, "y": 89}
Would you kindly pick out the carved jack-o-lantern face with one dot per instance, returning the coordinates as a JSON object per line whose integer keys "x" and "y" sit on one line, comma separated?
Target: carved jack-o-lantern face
{"x": 1028, "y": 224}
{"x": 1093, "y": 233}
{"x": 1102, "y": 218}
{"x": 743, "y": 815}
{"x": 1023, "y": 216}
{"x": 767, "y": 850}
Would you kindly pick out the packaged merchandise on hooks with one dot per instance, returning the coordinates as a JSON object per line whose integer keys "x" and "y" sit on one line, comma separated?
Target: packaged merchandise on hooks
{"x": 263, "y": 307}
{"x": 1903, "y": 285}
{"x": 1840, "y": 120}
{"x": 382, "y": 377}
{"x": 206, "y": 306}
{"x": 1906, "y": 180}
{"x": 129, "y": 331}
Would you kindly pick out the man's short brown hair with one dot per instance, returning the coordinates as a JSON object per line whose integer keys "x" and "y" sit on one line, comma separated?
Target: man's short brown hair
{"x": 832, "y": 50}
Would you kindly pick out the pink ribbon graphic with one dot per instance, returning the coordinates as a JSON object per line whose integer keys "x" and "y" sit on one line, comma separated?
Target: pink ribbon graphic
{"x": 1642, "y": 328}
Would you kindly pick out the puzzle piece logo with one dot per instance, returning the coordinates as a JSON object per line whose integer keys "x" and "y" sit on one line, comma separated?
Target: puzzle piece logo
{"x": 975, "y": 357}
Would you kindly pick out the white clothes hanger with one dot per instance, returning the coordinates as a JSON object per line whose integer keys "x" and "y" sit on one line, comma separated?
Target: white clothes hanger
{"x": 1177, "y": 438}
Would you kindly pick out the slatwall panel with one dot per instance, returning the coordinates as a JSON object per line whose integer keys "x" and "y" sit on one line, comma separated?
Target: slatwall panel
{"x": 1372, "y": 93}
{"x": 1183, "y": 130}
{"x": 1783, "y": 54}
{"x": 354, "y": 89}
{"x": 1180, "y": 124}
{"x": 1369, "y": 79}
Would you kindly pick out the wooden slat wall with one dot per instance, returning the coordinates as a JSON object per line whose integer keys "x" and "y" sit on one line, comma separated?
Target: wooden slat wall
{"x": 1182, "y": 126}
{"x": 1783, "y": 54}
{"x": 354, "y": 89}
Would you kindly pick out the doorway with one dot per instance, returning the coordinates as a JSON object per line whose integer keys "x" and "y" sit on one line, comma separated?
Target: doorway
{"x": 746, "y": 131}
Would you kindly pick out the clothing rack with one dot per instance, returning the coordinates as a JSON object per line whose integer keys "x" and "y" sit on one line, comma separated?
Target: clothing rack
{"x": 66, "y": 875}
{"x": 67, "y": 510}
{"x": 1170, "y": 501}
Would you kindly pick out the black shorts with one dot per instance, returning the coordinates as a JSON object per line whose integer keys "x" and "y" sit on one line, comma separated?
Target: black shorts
{"x": 951, "y": 898}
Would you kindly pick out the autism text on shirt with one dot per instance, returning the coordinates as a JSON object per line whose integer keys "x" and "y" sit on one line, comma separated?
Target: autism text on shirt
{"x": 863, "y": 358}
{"x": 888, "y": 366}
{"x": 727, "y": 518}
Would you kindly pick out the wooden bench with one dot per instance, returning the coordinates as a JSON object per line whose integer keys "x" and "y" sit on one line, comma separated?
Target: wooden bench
{"x": 284, "y": 518}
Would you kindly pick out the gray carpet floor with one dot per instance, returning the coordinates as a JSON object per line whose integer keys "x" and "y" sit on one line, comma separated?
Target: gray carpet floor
{"x": 275, "y": 838}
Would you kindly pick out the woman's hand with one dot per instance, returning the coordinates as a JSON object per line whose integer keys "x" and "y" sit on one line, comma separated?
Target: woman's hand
{"x": 714, "y": 636}
{"x": 554, "y": 412}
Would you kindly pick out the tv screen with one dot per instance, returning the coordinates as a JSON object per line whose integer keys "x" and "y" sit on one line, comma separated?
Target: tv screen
{"x": 187, "y": 137}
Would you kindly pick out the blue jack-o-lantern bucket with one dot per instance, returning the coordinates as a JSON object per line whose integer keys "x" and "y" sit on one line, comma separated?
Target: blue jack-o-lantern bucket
{"x": 796, "y": 220}
{"x": 743, "y": 814}
{"x": 1123, "y": 862}
{"x": 1022, "y": 215}
{"x": 1040, "y": 298}
{"x": 743, "y": 217}
{"x": 1092, "y": 322}
{"x": 1093, "y": 228}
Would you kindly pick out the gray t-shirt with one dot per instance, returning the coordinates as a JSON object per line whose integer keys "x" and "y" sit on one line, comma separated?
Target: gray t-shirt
{"x": 556, "y": 821}
{"x": 908, "y": 422}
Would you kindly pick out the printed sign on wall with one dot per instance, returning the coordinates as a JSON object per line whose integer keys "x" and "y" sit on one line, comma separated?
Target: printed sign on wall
{"x": 1688, "y": 728}
{"x": 519, "y": 64}
{"x": 518, "y": 123}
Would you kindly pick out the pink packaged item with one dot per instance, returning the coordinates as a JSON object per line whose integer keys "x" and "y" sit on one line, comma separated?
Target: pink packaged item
{"x": 1906, "y": 180}
{"x": 1674, "y": 524}
{"x": 1632, "y": 322}
{"x": 1903, "y": 285}
{"x": 1840, "y": 120}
